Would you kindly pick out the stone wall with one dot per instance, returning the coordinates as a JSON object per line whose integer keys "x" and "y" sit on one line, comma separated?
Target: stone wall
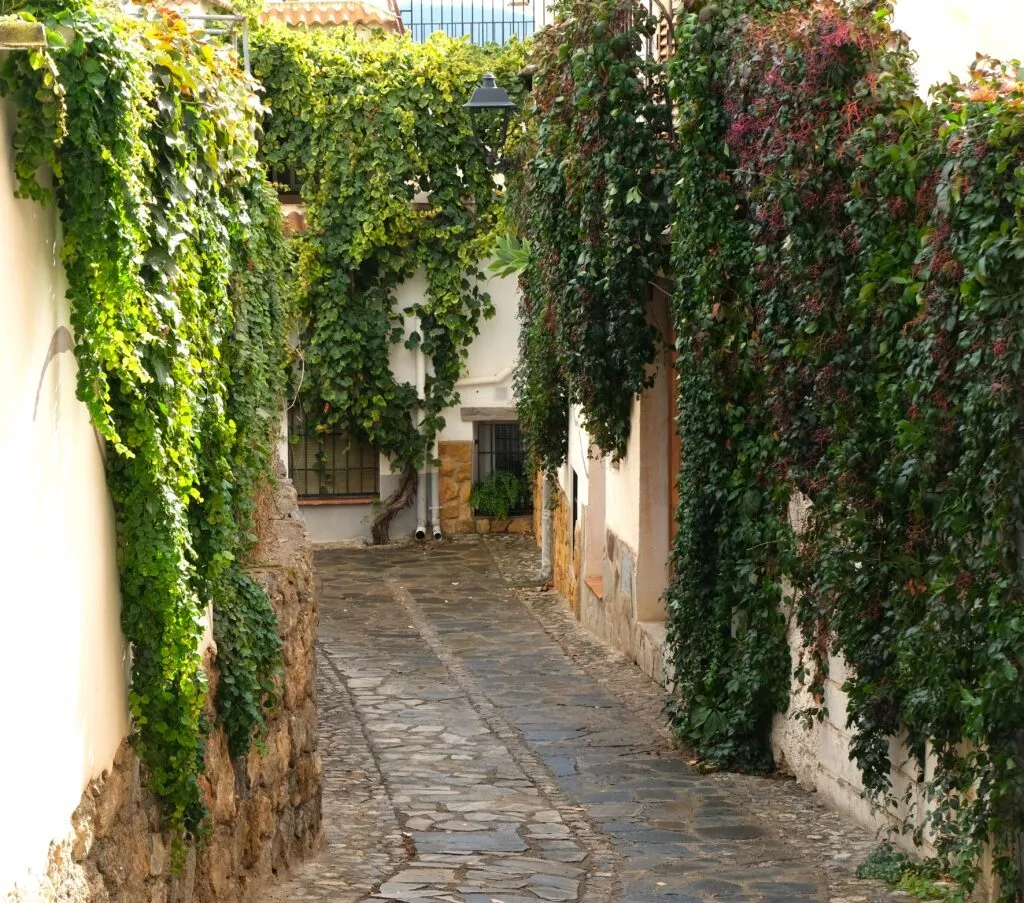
{"x": 567, "y": 552}
{"x": 456, "y": 484}
{"x": 456, "y": 476}
{"x": 519, "y": 523}
{"x": 607, "y": 608}
{"x": 265, "y": 809}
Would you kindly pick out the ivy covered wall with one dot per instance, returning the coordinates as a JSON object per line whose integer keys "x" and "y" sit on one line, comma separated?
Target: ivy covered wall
{"x": 393, "y": 183}
{"x": 145, "y": 140}
{"x": 846, "y": 259}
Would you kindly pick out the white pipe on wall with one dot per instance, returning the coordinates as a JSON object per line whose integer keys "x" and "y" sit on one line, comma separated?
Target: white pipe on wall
{"x": 485, "y": 380}
{"x": 421, "y": 487}
{"x": 435, "y": 497}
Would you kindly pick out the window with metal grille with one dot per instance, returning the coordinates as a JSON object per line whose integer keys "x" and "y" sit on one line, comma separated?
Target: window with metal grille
{"x": 330, "y": 465}
{"x": 499, "y": 447}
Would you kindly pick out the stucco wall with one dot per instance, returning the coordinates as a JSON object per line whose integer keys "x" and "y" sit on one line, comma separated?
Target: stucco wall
{"x": 62, "y": 658}
{"x": 486, "y": 383}
{"x": 947, "y": 33}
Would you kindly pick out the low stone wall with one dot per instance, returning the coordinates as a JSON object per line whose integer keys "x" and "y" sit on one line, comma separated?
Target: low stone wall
{"x": 520, "y": 523}
{"x": 265, "y": 809}
{"x": 607, "y": 608}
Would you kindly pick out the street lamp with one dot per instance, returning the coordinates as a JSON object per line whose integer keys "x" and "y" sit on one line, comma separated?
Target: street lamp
{"x": 490, "y": 98}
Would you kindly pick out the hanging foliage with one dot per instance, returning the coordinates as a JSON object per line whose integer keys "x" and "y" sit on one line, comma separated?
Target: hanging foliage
{"x": 844, "y": 307}
{"x": 177, "y": 281}
{"x": 847, "y": 260}
{"x": 393, "y": 182}
{"x": 593, "y": 202}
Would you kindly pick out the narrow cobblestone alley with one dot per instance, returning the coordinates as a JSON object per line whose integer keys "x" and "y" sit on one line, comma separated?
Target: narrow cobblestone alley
{"x": 479, "y": 747}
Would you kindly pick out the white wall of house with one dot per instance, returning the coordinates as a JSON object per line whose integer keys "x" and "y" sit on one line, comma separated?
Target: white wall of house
{"x": 486, "y": 383}
{"x": 63, "y": 668}
{"x": 622, "y": 515}
{"x": 947, "y": 33}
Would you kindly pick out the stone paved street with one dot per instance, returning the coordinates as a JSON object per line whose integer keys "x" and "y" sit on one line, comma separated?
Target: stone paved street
{"x": 479, "y": 747}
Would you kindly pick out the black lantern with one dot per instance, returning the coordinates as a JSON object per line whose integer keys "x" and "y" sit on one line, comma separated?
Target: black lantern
{"x": 489, "y": 101}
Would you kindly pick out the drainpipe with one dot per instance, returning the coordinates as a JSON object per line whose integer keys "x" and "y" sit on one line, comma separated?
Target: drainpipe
{"x": 421, "y": 485}
{"x": 546, "y": 531}
{"x": 435, "y": 497}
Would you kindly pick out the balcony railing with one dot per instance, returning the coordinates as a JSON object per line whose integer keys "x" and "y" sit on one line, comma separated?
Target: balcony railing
{"x": 494, "y": 22}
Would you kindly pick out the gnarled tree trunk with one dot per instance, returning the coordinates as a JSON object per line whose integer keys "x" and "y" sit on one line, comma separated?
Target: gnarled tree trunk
{"x": 391, "y": 506}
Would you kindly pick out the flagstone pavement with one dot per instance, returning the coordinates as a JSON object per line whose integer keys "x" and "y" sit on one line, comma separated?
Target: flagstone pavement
{"x": 480, "y": 747}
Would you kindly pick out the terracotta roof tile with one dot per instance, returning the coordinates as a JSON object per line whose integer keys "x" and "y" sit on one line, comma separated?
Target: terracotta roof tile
{"x": 371, "y": 14}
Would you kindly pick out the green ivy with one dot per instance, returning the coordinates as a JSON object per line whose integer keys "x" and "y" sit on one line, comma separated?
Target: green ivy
{"x": 848, "y": 262}
{"x": 392, "y": 181}
{"x": 177, "y": 283}
{"x": 593, "y": 202}
{"x": 843, "y": 306}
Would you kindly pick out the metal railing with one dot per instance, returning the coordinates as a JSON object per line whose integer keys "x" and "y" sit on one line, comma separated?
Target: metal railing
{"x": 483, "y": 21}
{"x": 232, "y": 28}
{"x": 494, "y": 22}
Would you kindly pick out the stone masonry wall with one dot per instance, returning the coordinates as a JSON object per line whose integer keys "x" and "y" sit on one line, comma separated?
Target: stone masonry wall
{"x": 456, "y": 484}
{"x": 265, "y": 809}
{"x": 566, "y": 553}
{"x": 456, "y": 476}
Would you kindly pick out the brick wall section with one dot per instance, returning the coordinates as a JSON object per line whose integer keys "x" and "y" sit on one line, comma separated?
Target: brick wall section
{"x": 456, "y": 483}
{"x": 265, "y": 809}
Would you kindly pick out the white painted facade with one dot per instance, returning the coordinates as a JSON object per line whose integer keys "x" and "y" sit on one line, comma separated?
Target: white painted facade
{"x": 946, "y": 34}
{"x": 486, "y": 383}
{"x": 63, "y": 660}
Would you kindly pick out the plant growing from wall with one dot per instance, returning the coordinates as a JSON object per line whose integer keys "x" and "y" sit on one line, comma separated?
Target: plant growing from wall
{"x": 593, "y": 203}
{"x": 176, "y": 280}
{"x": 393, "y": 182}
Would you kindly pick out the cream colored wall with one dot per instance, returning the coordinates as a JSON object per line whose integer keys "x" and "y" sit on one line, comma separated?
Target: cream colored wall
{"x": 63, "y": 674}
{"x": 486, "y": 383}
{"x": 487, "y": 373}
{"x": 578, "y": 460}
{"x": 947, "y": 33}
{"x": 622, "y": 491}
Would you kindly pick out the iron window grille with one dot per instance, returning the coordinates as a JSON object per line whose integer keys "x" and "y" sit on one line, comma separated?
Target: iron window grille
{"x": 330, "y": 465}
{"x": 499, "y": 448}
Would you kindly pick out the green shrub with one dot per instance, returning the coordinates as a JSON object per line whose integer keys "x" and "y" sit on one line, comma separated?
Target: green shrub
{"x": 497, "y": 494}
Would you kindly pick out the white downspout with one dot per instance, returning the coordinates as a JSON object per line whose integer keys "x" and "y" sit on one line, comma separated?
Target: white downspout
{"x": 546, "y": 532}
{"x": 435, "y": 496}
{"x": 421, "y": 487}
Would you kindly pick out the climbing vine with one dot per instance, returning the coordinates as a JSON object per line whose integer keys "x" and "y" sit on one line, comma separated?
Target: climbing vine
{"x": 593, "y": 202}
{"x": 843, "y": 308}
{"x": 393, "y": 182}
{"x": 847, "y": 260}
{"x": 177, "y": 285}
